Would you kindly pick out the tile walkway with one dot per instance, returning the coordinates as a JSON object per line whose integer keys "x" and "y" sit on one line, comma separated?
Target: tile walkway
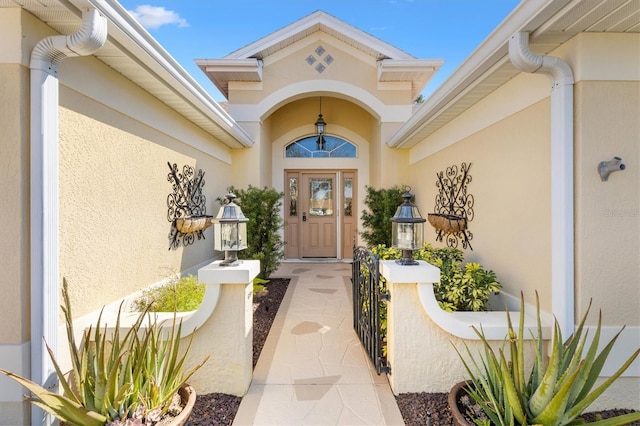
{"x": 313, "y": 369}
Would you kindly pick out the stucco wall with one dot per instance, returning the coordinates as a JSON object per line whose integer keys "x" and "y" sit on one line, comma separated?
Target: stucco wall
{"x": 510, "y": 185}
{"x": 607, "y": 95}
{"x": 14, "y": 208}
{"x": 347, "y": 65}
{"x": 608, "y": 213}
{"x": 113, "y": 197}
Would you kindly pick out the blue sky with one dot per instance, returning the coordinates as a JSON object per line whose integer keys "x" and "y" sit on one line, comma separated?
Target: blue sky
{"x": 426, "y": 29}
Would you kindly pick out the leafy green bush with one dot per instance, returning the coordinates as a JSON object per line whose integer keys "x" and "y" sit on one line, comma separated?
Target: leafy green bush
{"x": 556, "y": 392}
{"x": 115, "y": 377}
{"x": 382, "y": 205}
{"x": 180, "y": 295}
{"x": 262, "y": 208}
{"x": 461, "y": 288}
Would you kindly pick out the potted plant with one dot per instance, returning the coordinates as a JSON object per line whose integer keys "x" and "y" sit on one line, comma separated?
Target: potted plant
{"x": 554, "y": 393}
{"x": 117, "y": 377}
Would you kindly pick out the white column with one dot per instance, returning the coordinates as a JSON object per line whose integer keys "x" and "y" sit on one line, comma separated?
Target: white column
{"x": 227, "y": 336}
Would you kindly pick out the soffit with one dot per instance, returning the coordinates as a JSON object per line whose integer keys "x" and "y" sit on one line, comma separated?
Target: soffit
{"x": 488, "y": 67}
{"x": 131, "y": 51}
{"x": 222, "y": 71}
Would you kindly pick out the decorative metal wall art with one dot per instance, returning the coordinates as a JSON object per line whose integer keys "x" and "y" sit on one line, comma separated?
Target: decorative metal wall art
{"x": 454, "y": 207}
{"x": 186, "y": 206}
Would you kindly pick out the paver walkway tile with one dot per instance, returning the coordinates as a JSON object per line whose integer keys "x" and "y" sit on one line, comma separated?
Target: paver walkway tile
{"x": 313, "y": 369}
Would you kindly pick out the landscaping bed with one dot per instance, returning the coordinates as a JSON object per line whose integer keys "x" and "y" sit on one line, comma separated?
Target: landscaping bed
{"x": 220, "y": 409}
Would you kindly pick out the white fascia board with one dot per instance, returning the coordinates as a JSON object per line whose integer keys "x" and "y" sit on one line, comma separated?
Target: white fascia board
{"x": 320, "y": 18}
{"x": 139, "y": 44}
{"x": 250, "y": 67}
{"x": 409, "y": 65}
{"x": 526, "y": 16}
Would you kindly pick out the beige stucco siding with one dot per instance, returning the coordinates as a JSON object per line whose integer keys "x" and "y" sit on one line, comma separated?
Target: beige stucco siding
{"x": 510, "y": 185}
{"x": 348, "y": 68}
{"x": 113, "y": 203}
{"x": 608, "y": 213}
{"x": 14, "y": 203}
{"x": 347, "y": 65}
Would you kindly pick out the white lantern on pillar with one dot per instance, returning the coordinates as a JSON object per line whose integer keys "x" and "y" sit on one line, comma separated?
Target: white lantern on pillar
{"x": 230, "y": 231}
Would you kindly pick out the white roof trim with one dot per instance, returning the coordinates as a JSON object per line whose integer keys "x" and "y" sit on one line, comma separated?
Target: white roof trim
{"x": 250, "y": 68}
{"x": 487, "y": 57}
{"x": 147, "y": 50}
{"x": 319, "y": 18}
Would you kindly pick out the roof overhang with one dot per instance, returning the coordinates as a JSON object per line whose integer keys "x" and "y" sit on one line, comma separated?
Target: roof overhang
{"x": 550, "y": 23}
{"x": 245, "y": 64}
{"x": 418, "y": 72}
{"x": 134, "y": 53}
{"x": 319, "y": 21}
{"x": 222, "y": 71}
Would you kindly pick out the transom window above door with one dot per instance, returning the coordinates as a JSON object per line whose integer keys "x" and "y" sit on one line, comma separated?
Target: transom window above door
{"x": 314, "y": 147}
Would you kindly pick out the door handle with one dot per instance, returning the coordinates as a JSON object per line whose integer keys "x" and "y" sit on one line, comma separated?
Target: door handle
{"x": 304, "y": 216}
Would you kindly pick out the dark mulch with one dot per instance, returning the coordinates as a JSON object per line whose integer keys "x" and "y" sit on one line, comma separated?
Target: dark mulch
{"x": 220, "y": 409}
{"x": 415, "y": 407}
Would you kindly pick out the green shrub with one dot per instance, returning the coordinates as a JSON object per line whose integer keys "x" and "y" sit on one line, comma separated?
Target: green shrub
{"x": 556, "y": 391}
{"x": 382, "y": 205}
{"x": 180, "y": 295}
{"x": 262, "y": 208}
{"x": 461, "y": 288}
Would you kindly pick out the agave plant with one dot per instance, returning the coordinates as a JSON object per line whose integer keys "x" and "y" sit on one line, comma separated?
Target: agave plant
{"x": 115, "y": 377}
{"x": 554, "y": 393}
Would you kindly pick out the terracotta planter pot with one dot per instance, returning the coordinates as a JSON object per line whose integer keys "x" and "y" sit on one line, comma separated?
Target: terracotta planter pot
{"x": 456, "y": 392}
{"x": 188, "y": 397}
{"x": 188, "y": 400}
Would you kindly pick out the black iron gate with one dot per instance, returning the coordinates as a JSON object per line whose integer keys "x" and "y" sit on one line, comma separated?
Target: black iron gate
{"x": 367, "y": 301}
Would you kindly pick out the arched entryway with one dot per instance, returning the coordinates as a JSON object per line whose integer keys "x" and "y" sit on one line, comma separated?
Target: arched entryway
{"x": 321, "y": 179}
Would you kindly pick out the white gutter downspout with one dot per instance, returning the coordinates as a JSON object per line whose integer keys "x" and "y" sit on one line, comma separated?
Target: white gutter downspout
{"x": 562, "y": 233}
{"x": 45, "y": 57}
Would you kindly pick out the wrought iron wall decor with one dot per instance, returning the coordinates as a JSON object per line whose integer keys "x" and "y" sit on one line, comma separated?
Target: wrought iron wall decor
{"x": 186, "y": 206}
{"x": 454, "y": 207}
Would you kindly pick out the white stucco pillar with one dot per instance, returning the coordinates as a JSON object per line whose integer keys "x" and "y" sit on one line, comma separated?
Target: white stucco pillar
{"x": 407, "y": 336}
{"x": 227, "y": 335}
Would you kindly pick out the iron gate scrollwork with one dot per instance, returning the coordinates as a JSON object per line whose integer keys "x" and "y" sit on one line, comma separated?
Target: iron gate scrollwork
{"x": 368, "y": 299}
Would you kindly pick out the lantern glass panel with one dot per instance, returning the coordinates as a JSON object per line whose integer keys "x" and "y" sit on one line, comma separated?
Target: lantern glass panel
{"x": 407, "y": 236}
{"x": 242, "y": 236}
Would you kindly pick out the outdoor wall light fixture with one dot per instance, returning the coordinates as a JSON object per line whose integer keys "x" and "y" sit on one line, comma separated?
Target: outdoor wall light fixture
{"x": 407, "y": 229}
{"x": 320, "y": 127}
{"x": 230, "y": 231}
{"x": 605, "y": 168}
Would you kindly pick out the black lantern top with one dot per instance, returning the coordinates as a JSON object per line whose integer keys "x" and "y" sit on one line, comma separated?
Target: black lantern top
{"x": 231, "y": 212}
{"x": 407, "y": 212}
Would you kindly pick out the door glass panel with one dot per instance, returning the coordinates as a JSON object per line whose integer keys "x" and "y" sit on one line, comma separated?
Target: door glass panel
{"x": 348, "y": 197}
{"x": 321, "y": 200}
{"x": 293, "y": 196}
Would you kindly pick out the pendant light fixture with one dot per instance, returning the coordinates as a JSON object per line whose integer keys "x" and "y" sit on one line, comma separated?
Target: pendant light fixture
{"x": 320, "y": 127}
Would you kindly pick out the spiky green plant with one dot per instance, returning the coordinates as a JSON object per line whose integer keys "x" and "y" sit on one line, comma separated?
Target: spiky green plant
{"x": 554, "y": 393}
{"x": 115, "y": 377}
